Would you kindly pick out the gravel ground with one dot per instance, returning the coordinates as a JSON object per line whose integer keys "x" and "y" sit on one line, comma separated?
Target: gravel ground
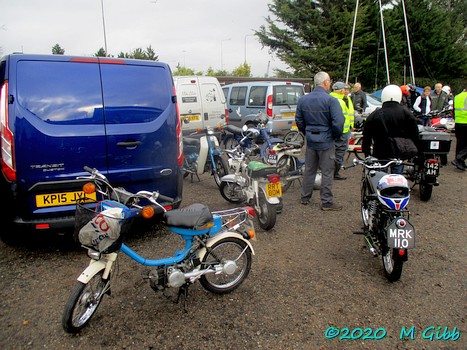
{"x": 309, "y": 273}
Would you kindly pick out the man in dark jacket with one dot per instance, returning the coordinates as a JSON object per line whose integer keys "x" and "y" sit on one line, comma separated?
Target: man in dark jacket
{"x": 359, "y": 98}
{"x": 398, "y": 122}
{"x": 319, "y": 116}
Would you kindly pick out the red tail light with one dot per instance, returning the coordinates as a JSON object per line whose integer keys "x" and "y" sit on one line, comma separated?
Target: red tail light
{"x": 272, "y": 151}
{"x": 401, "y": 252}
{"x": 351, "y": 141}
{"x": 432, "y": 161}
{"x": 269, "y": 106}
{"x": 226, "y": 115}
{"x": 178, "y": 130}
{"x": 274, "y": 178}
{"x": 8, "y": 152}
{"x": 251, "y": 211}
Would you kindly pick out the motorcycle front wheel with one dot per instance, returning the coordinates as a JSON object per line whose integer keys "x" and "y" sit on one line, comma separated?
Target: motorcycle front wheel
{"x": 425, "y": 191}
{"x": 285, "y": 166}
{"x": 232, "y": 257}
{"x": 231, "y": 191}
{"x": 83, "y": 303}
{"x": 392, "y": 264}
{"x": 267, "y": 213}
{"x": 221, "y": 169}
{"x": 364, "y": 209}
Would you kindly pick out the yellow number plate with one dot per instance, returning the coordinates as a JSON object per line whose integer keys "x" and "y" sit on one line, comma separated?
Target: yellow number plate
{"x": 192, "y": 117}
{"x": 274, "y": 190}
{"x": 65, "y": 198}
{"x": 288, "y": 114}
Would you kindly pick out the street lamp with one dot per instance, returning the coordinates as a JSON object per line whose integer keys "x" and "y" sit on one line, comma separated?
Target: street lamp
{"x": 222, "y": 60}
{"x": 244, "y": 60}
{"x": 184, "y": 52}
{"x": 103, "y": 24}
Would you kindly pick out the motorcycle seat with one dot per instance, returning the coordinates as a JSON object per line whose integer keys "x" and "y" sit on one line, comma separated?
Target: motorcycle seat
{"x": 258, "y": 169}
{"x": 233, "y": 129}
{"x": 190, "y": 141}
{"x": 193, "y": 216}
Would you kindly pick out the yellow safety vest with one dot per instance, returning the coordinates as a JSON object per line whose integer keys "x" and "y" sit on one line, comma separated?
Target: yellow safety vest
{"x": 460, "y": 108}
{"x": 347, "y": 111}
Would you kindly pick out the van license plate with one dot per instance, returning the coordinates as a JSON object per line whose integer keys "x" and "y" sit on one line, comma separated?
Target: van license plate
{"x": 273, "y": 190}
{"x": 288, "y": 115}
{"x": 64, "y": 198}
{"x": 192, "y": 117}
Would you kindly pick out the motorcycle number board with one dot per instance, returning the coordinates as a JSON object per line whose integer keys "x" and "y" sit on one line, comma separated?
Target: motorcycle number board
{"x": 401, "y": 234}
{"x": 273, "y": 190}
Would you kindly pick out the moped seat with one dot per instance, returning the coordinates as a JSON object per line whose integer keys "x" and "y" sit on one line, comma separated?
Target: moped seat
{"x": 191, "y": 141}
{"x": 233, "y": 129}
{"x": 258, "y": 169}
{"x": 193, "y": 216}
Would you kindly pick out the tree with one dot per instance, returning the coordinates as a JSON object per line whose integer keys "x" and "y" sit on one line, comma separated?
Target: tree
{"x": 57, "y": 50}
{"x": 100, "y": 53}
{"x": 183, "y": 71}
{"x": 243, "y": 70}
{"x": 138, "y": 53}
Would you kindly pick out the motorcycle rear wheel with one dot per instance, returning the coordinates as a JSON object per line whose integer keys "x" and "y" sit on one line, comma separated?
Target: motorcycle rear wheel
{"x": 83, "y": 303}
{"x": 267, "y": 213}
{"x": 392, "y": 264}
{"x": 221, "y": 169}
{"x": 226, "y": 250}
{"x": 364, "y": 210}
{"x": 231, "y": 191}
{"x": 425, "y": 191}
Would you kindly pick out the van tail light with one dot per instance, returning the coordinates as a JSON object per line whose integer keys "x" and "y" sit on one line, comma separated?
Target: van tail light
{"x": 269, "y": 106}
{"x": 8, "y": 154}
{"x": 178, "y": 130}
{"x": 226, "y": 115}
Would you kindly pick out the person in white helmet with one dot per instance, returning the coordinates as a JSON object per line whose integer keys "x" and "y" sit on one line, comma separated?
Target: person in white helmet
{"x": 391, "y": 120}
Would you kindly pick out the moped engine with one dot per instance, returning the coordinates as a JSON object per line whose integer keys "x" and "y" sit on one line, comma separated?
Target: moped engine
{"x": 175, "y": 277}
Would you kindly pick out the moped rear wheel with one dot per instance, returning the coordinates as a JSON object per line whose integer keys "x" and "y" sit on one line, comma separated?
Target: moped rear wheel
{"x": 267, "y": 213}
{"x": 425, "y": 191}
{"x": 232, "y": 257}
{"x": 221, "y": 169}
{"x": 294, "y": 136}
{"x": 392, "y": 264}
{"x": 285, "y": 166}
{"x": 83, "y": 303}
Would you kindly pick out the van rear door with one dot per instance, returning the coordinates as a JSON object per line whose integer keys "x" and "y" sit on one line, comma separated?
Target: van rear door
{"x": 58, "y": 128}
{"x": 140, "y": 121}
{"x": 189, "y": 102}
{"x": 213, "y": 101}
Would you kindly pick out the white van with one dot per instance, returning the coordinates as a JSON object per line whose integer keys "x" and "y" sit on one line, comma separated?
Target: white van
{"x": 201, "y": 101}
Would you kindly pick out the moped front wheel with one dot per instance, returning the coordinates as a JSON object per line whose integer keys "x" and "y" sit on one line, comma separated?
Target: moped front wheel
{"x": 231, "y": 192}
{"x": 83, "y": 302}
{"x": 392, "y": 264}
{"x": 231, "y": 259}
{"x": 285, "y": 166}
{"x": 221, "y": 169}
{"x": 266, "y": 213}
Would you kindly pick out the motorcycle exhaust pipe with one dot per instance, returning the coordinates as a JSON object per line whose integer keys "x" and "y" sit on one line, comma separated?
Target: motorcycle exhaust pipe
{"x": 370, "y": 246}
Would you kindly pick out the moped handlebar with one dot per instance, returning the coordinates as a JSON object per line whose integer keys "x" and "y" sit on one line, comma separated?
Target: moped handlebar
{"x": 373, "y": 163}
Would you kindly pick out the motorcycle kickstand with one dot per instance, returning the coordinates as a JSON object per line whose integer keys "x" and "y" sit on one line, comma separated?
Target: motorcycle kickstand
{"x": 196, "y": 177}
{"x": 183, "y": 292}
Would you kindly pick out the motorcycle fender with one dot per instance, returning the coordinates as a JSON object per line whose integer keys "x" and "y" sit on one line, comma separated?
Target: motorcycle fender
{"x": 201, "y": 252}
{"x": 203, "y": 154}
{"x": 240, "y": 180}
{"x": 271, "y": 200}
{"x": 93, "y": 268}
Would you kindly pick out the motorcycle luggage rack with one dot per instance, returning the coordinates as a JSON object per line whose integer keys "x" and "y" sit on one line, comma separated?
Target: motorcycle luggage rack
{"x": 232, "y": 217}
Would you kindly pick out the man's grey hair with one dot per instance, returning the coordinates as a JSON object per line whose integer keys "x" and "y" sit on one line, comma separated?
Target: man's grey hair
{"x": 320, "y": 77}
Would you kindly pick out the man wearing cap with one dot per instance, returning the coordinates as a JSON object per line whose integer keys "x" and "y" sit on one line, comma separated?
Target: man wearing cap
{"x": 341, "y": 145}
{"x": 319, "y": 117}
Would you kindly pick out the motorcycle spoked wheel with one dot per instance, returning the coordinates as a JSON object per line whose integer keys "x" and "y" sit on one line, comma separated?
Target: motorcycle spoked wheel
{"x": 364, "y": 210}
{"x": 83, "y": 303}
{"x": 221, "y": 169}
{"x": 231, "y": 191}
{"x": 425, "y": 191}
{"x": 285, "y": 165}
{"x": 266, "y": 213}
{"x": 226, "y": 252}
{"x": 392, "y": 264}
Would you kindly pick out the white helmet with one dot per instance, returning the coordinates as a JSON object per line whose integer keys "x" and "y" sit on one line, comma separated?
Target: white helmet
{"x": 391, "y": 93}
{"x": 446, "y": 89}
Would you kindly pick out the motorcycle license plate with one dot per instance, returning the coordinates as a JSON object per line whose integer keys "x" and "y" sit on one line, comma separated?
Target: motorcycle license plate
{"x": 401, "y": 234}
{"x": 273, "y": 190}
{"x": 431, "y": 168}
{"x": 272, "y": 159}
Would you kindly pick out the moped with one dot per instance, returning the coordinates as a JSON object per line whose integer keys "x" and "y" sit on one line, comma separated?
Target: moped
{"x": 217, "y": 249}
{"x": 253, "y": 182}
{"x": 203, "y": 155}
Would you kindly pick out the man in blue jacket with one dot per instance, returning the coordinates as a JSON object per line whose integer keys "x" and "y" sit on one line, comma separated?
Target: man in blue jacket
{"x": 319, "y": 116}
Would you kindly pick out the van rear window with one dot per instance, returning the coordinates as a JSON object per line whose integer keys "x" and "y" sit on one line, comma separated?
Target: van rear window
{"x": 238, "y": 96}
{"x": 137, "y": 94}
{"x": 286, "y": 95}
{"x": 60, "y": 92}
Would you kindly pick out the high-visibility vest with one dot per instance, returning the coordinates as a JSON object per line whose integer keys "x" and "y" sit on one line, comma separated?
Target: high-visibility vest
{"x": 460, "y": 108}
{"x": 349, "y": 119}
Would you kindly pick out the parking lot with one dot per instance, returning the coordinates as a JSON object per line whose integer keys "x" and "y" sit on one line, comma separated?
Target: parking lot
{"x": 313, "y": 285}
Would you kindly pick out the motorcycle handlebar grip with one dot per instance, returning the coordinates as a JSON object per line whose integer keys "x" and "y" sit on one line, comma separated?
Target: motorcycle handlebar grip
{"x": 88, "y": 169}
{"x": 165, "y": 198}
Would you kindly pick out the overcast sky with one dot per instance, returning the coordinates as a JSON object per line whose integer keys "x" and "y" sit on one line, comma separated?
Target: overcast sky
{"x": 196, "y": 33}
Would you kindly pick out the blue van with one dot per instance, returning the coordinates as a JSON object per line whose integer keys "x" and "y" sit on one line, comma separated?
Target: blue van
{"x": 60, "y": 113}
